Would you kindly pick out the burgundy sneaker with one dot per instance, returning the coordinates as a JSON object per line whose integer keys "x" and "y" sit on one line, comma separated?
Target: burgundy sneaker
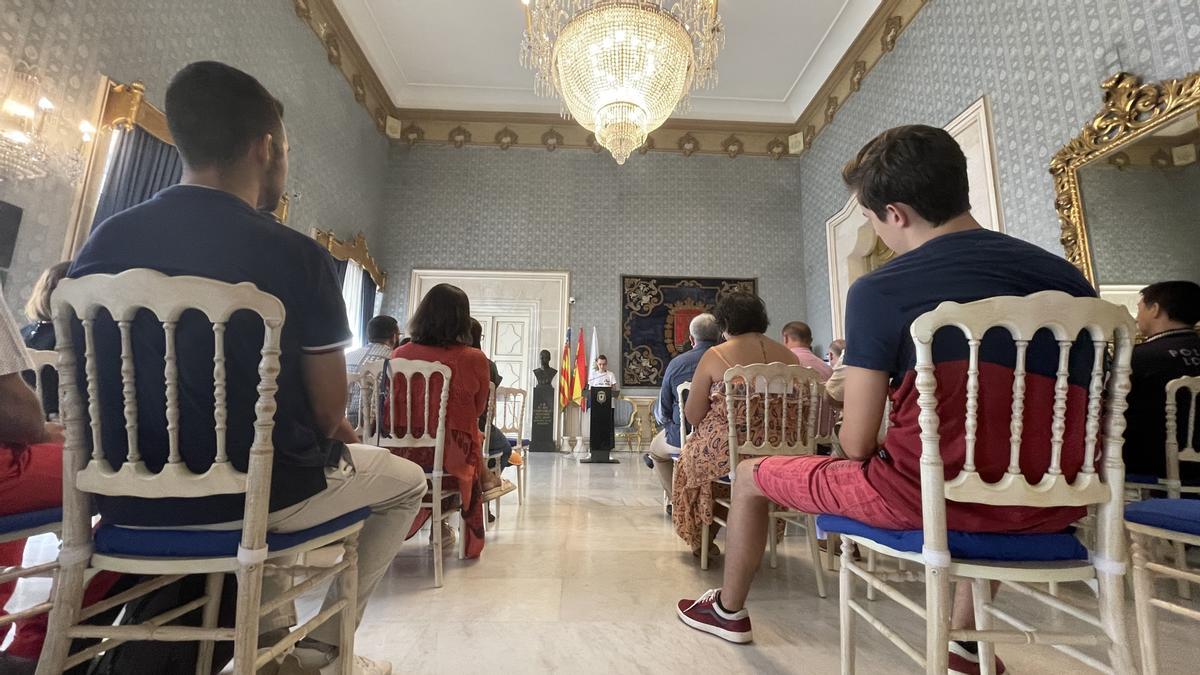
{"x": 705, "y": 614}
{"x": 964, "y": 662}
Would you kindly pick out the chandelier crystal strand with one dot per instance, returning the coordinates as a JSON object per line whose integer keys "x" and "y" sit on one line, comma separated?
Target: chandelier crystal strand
{"x": 621, "y": 67}
{"x": 34, "y": 140}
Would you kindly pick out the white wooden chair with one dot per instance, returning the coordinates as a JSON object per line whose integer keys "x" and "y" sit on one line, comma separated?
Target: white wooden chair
{"x": 1138, "y": 486}
{"x": 1013, "y": 560}
{"x": 394, "y": 431}
{"x": 42, "y": 359}
{"x": 141, "y": 550}
{"x": 510, "y": 420}
{"x": 1171, "y": 520}
{"x": 787, "y": 395}
{"x": 492, "y": 462}
{"x": 816, "y": 433}
{"x": 682, "y": 392}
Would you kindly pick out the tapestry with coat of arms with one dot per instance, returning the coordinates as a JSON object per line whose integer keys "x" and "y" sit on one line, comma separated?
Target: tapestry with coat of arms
{"x": 655, "y": 315}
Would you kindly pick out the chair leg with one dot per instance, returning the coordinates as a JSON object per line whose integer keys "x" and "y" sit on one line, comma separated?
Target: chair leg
{"x": 204, "y": 657}
{"x": 937, "y": 620}
{"x": 67, "y": 596}
{"x": 521, "y": 480}
{"x": 772, "y": 545}
{"x": 845, "y": 614}
{"x": 814, "y": 552}
{"x": 872, "y": 563}
{"x": 436, "y": 523}
{"x": 245, "y": 641}
{"x": 1184, "y": 588}
{"x": 833, "y": 544}
{"x": 704, "y": 547}
{"x": 982, "y": 595}
{"x": 1143, "y": 593}
{"x": 348, "y": 618}
{"x": 461, "y": 549}
{"x": 1112, "y": 618}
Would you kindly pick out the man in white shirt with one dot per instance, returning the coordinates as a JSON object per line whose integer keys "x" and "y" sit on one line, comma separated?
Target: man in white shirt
{"x": 601, "y": 376}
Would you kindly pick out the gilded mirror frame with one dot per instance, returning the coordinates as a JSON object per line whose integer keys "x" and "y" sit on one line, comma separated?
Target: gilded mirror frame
{"x": 1132, "y": 109}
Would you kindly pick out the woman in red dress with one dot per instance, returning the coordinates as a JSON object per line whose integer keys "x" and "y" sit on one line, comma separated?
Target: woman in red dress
{"x": 441, "y": 331}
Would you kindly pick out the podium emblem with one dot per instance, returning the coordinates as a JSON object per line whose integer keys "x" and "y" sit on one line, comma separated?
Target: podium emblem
{"x": 601, "y": 396}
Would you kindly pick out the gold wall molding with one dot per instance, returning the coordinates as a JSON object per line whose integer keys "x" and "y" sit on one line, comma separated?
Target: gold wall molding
{"x": 1131, "y": 110}
{"x": 344, "y": 52}
{"x": 877, "y": 38}
{"x": 356, "y": 250}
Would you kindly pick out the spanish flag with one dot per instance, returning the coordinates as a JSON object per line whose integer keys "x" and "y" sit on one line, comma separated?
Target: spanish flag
{"x": 564, "y": 374}
{"x": 581, "y": 372}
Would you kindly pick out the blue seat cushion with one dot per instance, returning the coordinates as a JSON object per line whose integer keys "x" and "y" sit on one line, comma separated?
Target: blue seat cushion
{"x": 968, "y": 545}
{"x": 1177, "y": 515}
{"x": 29, "y": 520}
{"x": 159, "y": 543}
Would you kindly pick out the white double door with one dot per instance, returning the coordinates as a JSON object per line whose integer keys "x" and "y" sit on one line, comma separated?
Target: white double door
{"x": 507, "y": 341}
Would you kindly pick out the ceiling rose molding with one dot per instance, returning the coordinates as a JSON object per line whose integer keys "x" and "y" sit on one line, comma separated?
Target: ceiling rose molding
{"x": 878, "y": 38}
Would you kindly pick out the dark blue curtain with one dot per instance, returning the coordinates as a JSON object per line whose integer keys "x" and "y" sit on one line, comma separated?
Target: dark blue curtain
{"x": 141, "y": 165}
{"x": 368, "y": 303}
{"x": 340, "y": 266}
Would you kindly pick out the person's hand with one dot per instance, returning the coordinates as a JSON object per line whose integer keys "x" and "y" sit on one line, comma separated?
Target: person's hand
{"x": 54, "y": 433}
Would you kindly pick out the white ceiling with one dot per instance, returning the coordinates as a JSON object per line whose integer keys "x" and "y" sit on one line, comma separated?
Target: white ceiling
{"x": 463, "y": 54}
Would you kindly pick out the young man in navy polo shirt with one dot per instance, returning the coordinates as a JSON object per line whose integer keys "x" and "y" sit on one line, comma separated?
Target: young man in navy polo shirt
{"x": 912, "y": 185}
{"x": 217, "y": 224}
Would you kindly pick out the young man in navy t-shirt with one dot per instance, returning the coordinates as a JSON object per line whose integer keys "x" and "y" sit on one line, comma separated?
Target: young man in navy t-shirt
{"x": 912, "y": 185}
{"x": 217, "y": 224}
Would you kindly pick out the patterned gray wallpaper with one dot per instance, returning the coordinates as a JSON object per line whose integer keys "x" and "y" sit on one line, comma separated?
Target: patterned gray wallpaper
{"x": 529, "y": 209}
{"x": 1144, "y": 223}
{"x": 1039, "y": 61}
{"x": 338, "y": 161}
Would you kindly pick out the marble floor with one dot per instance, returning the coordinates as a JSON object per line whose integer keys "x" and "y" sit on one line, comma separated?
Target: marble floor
{"x": 584, "y": 576}
{"x": 583, "y": 579}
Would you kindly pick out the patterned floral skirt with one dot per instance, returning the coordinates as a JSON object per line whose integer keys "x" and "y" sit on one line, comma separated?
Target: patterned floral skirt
{"x": 705, "y": 457}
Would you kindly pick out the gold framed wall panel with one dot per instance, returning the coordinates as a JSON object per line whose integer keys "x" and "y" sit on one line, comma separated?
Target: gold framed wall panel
{"x": 1131, "y": 109}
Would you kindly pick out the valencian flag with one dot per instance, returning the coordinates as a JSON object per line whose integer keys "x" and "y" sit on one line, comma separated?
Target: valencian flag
{"x": 564, "y": 374}
{"x": 581, "y": 372}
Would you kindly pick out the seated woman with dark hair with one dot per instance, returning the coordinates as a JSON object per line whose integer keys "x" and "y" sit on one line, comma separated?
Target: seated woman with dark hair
{"x": 441, "y": 332}
{"x": 705, "y": 456}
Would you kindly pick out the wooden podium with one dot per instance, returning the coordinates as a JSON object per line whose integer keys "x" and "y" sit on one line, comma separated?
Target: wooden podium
{"x": 602, "y": 440}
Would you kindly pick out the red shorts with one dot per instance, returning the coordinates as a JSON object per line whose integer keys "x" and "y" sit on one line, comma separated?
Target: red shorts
{"x": 812, "y": 484}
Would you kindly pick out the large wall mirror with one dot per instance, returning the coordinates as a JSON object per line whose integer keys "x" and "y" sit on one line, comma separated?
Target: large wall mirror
{"x": 1128, "y": 187}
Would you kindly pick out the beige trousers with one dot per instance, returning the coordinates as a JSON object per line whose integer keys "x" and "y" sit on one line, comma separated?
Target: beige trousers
{"x": 664, "y": 465}
{"x": 366, "y": 476}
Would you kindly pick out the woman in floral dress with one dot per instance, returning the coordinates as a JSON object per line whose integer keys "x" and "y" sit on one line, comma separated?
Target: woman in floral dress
{"x": 705, "y": 456}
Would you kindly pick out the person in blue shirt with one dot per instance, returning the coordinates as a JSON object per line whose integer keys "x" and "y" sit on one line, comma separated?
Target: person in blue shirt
{"x": 705, "y": 332}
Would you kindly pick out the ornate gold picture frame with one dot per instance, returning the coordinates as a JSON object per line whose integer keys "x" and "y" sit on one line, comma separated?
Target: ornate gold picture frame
{"x": 1132, "y": 109}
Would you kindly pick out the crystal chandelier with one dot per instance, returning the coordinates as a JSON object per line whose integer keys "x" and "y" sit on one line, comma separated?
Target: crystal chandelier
{"x": 31, "y": 142}
{"x": 621, "y": 67}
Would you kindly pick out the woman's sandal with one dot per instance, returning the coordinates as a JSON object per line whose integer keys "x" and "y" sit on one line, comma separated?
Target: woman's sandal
{"x": 505, "y": 487}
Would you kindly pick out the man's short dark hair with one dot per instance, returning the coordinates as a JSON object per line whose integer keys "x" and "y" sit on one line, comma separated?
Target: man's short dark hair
{"x": 382, "y": 327}
{"x": 215, "y": 112}
{"x": 602, "y": 358}
{"x": 917, "y": 165}
{"x": 742, "y": 312}
{"x": 1179, "y": 299}
{"x": 798, "y": 331}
